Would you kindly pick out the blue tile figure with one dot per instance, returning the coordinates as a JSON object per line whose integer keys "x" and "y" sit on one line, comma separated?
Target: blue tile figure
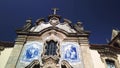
{"x": 31, "y": 52}
{"x": 71, "y": 53}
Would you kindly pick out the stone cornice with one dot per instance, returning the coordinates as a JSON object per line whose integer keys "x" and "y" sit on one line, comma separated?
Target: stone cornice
{"x": 104, "y": 46}
{"x": 6, "y": 44}
{"x": 106, "y": 50}
{"x": 84, "y": 34}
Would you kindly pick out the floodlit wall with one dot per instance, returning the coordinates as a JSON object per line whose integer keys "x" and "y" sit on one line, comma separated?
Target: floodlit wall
{"x": 4, "y": 56}
{"x": 97, "y": 62}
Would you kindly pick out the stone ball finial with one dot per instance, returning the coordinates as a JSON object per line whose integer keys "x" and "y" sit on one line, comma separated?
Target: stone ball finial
{"x": 29, "y": 20}
{"x": 79, "y": 23}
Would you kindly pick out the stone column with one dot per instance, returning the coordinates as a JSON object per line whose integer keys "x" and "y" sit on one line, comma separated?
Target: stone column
{"x": 13, "y": 59}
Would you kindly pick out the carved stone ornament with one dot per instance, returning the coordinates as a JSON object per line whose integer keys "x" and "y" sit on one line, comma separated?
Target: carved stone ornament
{"x": 50, "y": 56}
{"x": 54, "y": 21}
{"x": 50, "y": 63}
{"x": 65, "y": 64}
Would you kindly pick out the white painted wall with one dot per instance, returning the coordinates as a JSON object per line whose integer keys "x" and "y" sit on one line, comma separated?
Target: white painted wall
{"x": 97, "y": 62}
{"x": 4, "y": 56}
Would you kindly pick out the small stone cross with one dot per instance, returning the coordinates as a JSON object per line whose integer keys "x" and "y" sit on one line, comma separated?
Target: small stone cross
{"x": 55, "y": 10}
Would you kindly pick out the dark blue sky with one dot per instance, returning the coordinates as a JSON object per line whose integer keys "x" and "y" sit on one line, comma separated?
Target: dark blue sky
{"x": 98, "y": 16}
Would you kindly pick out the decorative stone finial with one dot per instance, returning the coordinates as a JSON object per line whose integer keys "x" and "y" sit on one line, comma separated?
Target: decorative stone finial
{"x": 80, "y": 23}
{"x": 55, "y": 10}
{"x": 29, "y": 20}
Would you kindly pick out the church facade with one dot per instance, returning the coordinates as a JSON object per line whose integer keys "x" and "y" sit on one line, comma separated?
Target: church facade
{"x": 57, "y": 43}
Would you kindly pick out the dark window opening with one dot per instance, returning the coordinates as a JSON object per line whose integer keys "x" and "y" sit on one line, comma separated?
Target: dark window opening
{"x": 63, "y": 66}
{"x": 110, "y": 64}
{"x": 116, "y": 45}
{"x": 51, "y": 47}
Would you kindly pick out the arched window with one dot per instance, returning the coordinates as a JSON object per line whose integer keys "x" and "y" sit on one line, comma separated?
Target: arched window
{"x": 110, "y": 63}
{"x": 51, "y": 47}
{"x": 63, "y": 66}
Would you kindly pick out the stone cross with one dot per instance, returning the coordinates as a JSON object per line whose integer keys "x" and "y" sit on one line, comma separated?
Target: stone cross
{"x": 54, "y": 10}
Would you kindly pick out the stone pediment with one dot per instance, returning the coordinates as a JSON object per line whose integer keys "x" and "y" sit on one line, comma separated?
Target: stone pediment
{"x": 54, "y": 22}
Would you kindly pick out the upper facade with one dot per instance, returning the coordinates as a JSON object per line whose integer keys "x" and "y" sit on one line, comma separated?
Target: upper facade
{"x": 50, "y": 43}
{"x": 55, "y": 42}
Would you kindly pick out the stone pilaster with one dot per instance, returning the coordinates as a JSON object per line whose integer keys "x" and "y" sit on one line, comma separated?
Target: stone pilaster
{"x": 13, "y": 59}
{"x": 87, "y": 59}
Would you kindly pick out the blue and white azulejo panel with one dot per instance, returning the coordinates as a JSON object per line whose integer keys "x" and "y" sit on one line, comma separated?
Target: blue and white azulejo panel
{"x": 70, "y": 52}
{"x": 32, "y": 51}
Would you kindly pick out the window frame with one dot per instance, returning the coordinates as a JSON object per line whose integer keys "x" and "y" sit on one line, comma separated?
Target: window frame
{"x": 49, "y": 48}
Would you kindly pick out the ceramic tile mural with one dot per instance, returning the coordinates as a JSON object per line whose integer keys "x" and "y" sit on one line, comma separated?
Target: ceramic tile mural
{"x": 32, "y": 51}
{"x": 70, "y": 52}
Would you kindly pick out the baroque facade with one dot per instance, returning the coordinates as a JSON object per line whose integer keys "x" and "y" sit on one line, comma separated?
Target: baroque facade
{"x": 57, "y": 43}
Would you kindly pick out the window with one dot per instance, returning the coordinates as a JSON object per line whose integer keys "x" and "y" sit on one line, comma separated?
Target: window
{"x": 51, "y": 47}
{"x": 110, "y": 64}
{"x": 63, "y": 66}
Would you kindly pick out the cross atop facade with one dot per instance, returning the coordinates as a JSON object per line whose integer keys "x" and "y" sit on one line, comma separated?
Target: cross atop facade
{"x": 54, "y": 10}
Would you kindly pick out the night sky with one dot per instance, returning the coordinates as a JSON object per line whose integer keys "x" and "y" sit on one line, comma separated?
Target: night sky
{"x": 98, "y": 16}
